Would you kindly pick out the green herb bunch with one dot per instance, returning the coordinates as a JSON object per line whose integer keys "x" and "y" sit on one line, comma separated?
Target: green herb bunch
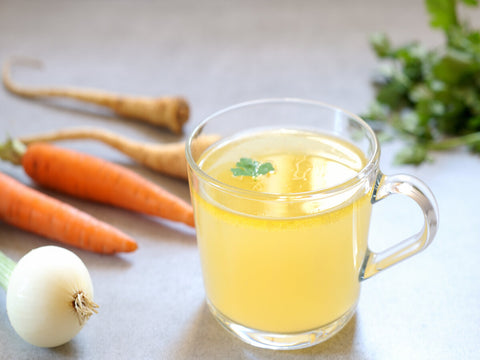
{"x": 431, "y": 98}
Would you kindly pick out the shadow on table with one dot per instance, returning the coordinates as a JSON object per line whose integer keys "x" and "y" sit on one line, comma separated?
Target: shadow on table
{"x": 206, "y": 339}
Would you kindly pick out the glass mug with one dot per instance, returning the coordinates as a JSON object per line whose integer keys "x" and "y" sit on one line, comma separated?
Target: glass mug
{"x": 283, "y": 246}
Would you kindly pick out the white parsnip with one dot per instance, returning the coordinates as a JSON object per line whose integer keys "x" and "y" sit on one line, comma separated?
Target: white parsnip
{"x": 169, "y": 112}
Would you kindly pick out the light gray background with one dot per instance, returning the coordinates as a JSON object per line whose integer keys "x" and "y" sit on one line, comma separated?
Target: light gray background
{"x": 217, "y": 53}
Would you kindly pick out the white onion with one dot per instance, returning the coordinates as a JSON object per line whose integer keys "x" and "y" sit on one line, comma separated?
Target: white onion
{"x": 49, "y": 296}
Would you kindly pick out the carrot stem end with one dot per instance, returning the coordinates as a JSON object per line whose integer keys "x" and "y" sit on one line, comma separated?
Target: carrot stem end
{"x": 12, "y": 150}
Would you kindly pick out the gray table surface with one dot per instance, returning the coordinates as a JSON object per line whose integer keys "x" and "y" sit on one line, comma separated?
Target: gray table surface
{"x": 217, "y": 53}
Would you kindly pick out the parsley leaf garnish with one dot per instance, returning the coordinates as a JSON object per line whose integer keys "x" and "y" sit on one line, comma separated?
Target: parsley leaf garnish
{"x": 250, "y": 167}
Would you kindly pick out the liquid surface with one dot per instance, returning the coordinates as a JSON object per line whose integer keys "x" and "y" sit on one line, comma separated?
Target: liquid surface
{"x": 279, "y": 266}
{"x": 303, "y": 161}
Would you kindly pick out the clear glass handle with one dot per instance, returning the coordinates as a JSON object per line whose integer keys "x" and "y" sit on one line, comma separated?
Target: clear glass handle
{"x": 418, "y": 191}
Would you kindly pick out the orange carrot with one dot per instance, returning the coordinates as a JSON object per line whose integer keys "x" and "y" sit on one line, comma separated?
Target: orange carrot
{"x": 168, "y": 159}
{"x": 92, "y": 178}
{"x": 170, "y": 112}
{"x": 33, "y": 211}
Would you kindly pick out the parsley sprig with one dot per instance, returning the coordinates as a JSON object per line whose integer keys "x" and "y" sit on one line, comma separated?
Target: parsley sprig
{"x": 250, "y": 167}
{"x": 430, "y": 98}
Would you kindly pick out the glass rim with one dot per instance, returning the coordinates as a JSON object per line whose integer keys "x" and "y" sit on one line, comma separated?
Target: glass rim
{"x": 372, "y": 161}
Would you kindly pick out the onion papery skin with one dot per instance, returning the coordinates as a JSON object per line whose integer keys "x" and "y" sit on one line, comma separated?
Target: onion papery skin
{"x": 40, "y": 293}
